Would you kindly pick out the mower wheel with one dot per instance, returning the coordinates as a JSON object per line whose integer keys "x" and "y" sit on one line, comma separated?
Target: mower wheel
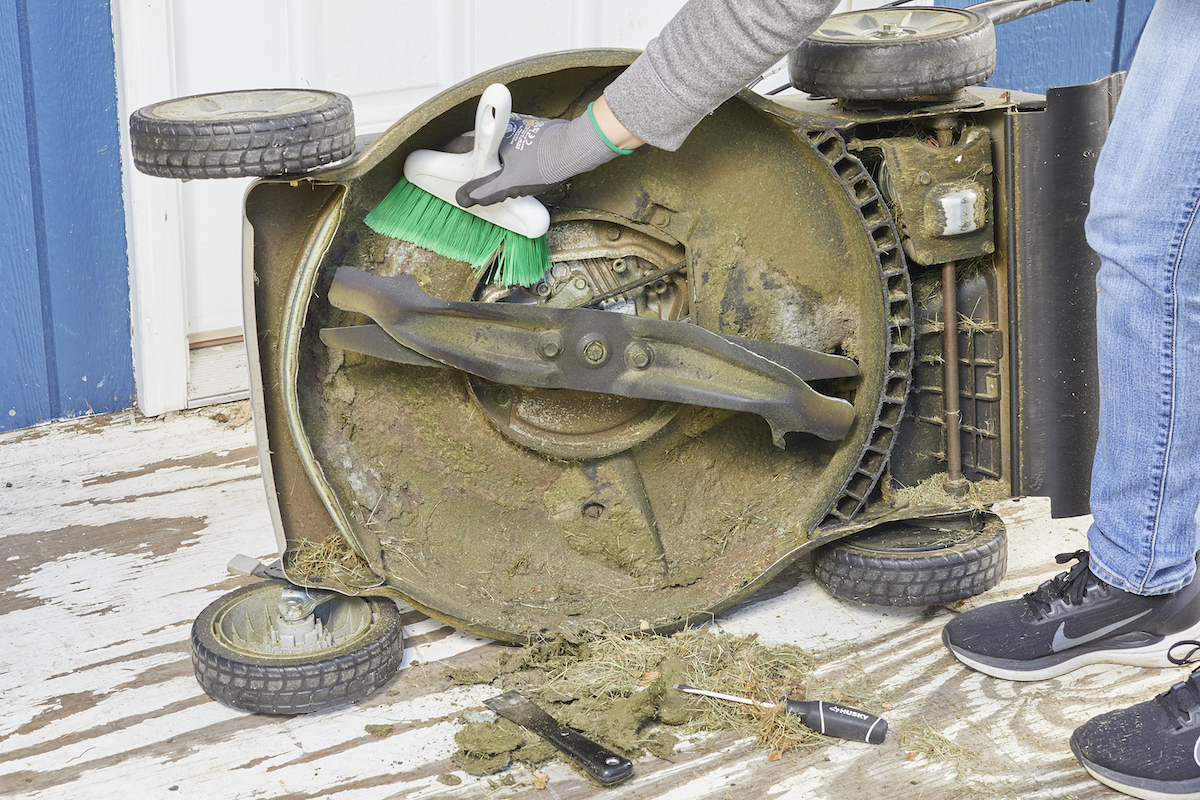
{"x": 895, "y": 53}
{"x": 258, "y": 132}
{"x": 917, "y": 562}
{"x": 354, "y": 646}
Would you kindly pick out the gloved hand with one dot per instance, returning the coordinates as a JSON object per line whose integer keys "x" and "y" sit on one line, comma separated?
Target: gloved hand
{"x": 537, "y": 154}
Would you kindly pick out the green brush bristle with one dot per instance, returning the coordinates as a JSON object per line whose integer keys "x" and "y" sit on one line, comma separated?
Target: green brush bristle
{"x": 412, "y": 214}
{"x": 523, "y": 261}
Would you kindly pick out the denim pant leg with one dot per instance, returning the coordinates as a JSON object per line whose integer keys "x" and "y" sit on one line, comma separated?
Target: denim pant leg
{"x": 1143, "y": 223}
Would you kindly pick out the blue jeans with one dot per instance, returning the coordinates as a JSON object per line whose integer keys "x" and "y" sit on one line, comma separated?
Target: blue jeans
{"x": 1143, "y": 223}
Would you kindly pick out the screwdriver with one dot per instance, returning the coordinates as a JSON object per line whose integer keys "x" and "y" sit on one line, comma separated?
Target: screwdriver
{"x": 830, "y": 719}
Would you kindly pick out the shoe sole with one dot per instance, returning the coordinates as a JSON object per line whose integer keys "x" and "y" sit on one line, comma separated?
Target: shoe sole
{"x": 1152, "y": 655}
{"x": 1143, "y": 788}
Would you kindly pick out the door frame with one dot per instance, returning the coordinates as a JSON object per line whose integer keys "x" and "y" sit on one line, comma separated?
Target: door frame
{"x": 143, "y": 35}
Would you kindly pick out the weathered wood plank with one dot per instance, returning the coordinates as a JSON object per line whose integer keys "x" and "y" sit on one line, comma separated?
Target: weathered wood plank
{"x": 115, "y": 532}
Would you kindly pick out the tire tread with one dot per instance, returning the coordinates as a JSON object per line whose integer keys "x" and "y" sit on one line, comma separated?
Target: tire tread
{"x": 931, "y": 580}
{"x": 867, "y": 70}
{"x": 261, "y": 147}
{"x": 291, "y": 689}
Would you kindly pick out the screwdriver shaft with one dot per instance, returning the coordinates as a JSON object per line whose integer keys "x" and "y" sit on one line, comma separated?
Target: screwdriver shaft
{"x": 693, "y": 690}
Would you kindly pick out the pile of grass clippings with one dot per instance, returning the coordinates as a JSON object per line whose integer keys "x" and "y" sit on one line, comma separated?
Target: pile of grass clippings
{"x": 619, "y": 690}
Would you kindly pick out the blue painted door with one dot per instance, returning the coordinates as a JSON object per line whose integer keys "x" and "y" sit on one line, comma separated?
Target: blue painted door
{"x": 1076, "y": 42}
{"x": 64, "y": 286}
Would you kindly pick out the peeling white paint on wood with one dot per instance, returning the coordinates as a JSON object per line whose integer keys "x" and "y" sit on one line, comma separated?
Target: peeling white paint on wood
{"x": 114, "y": 534}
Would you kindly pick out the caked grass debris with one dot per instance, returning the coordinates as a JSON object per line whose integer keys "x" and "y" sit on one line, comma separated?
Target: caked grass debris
{"x": 619, "y": 690}
{"x": 929, "y": 492}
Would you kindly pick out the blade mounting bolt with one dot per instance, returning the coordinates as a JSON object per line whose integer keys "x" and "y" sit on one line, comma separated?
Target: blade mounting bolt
{"x": 637, "y": 356}
{"x": 595, "y": 352}
{"x": 550, "y": 346}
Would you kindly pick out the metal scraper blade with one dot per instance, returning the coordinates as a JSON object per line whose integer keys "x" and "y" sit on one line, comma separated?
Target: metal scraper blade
{"x": 602, "y": 764}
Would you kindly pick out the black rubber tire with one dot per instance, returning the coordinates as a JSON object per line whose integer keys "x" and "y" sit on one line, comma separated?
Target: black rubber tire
{"x": 289, "y": 685}
{"x": 914, "y": 564}
{"x": 930, "y": 61}
{"x": 258, "y": 132}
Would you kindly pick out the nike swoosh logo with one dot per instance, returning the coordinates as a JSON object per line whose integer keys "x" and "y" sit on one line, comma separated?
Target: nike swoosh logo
{"x": 1062, "y": 641}
{"x": 1196, "y": 753}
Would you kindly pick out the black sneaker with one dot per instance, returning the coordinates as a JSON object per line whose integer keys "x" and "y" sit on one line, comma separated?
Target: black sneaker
{"x": 1071, "y": 621}
{"x": 1150, "y": 750}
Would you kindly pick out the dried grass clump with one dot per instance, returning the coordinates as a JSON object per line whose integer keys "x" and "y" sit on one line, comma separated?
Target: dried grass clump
{"x": 332, "y": 558}
{"x": 920, "y": 737}
{"x": 621, "y": 688}
{"x": 740, "y": 665}
{"x": 929, "y": 492}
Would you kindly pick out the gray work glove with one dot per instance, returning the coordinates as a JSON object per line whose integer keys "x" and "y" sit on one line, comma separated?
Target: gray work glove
{"x": 537, "y": 154}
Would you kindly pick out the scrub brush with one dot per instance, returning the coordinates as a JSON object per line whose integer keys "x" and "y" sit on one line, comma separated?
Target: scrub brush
{"x": 421, "y": 208}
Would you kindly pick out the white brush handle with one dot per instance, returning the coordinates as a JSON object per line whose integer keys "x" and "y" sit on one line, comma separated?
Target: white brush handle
{"x": 491, "y": 120}
{"x": 441, "y": 174}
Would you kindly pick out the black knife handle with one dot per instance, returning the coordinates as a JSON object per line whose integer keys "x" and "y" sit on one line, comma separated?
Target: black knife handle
{"x": 601, "y": 763}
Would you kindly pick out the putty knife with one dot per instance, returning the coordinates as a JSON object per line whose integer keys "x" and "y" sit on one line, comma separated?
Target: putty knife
{"x": 602, "y": 764}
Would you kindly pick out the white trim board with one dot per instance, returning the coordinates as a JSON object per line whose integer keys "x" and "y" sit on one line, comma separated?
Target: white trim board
{"x": 144, "y": 63}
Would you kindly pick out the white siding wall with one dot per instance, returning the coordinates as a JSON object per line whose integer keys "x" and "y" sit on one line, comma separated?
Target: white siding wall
{"x": 387, "y": 55}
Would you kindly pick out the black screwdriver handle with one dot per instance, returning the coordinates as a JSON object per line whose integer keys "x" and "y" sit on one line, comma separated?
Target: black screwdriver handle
{"x": 844, "y": 722}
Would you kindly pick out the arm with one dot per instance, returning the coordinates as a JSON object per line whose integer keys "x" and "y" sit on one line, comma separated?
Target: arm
{"x": 704, "y": 55}
{"x": 617, "y": 133}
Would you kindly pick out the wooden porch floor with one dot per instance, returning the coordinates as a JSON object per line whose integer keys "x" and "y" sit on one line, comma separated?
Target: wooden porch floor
{"x": 115, "y": 532}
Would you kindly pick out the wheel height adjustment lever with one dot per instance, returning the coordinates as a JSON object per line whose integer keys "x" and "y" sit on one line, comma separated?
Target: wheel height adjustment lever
{"x": 597, "y": 351}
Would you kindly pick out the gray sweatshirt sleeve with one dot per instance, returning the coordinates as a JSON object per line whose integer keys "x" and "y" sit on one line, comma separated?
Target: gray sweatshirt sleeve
{"x": 704, "y": 55}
